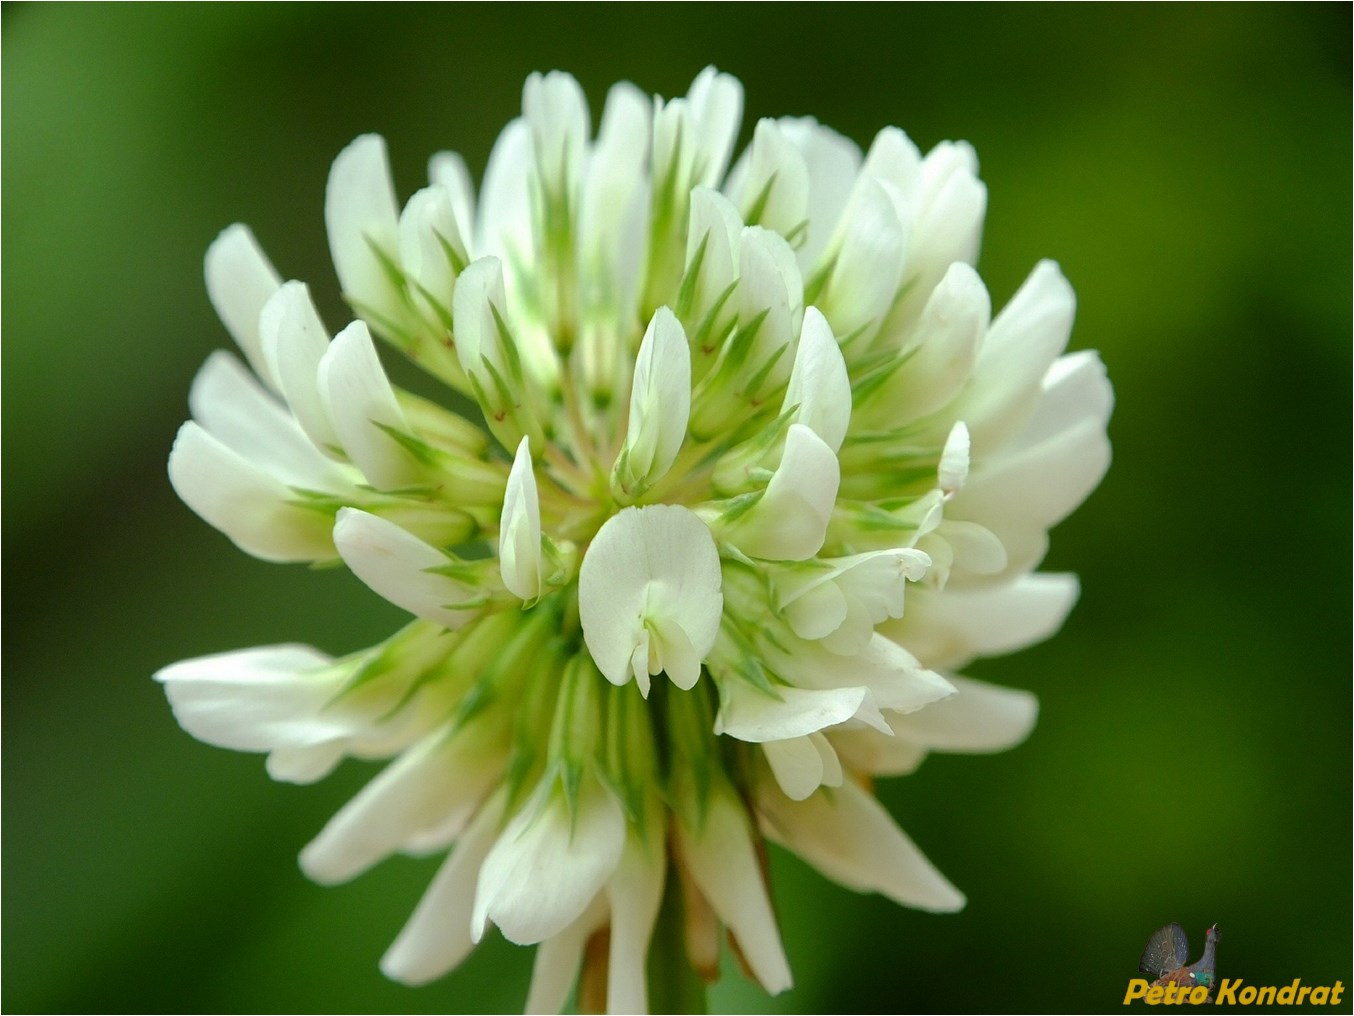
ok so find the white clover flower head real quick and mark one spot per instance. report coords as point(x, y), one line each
point(757, 473)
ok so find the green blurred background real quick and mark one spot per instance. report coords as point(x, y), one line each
point(1188, 166)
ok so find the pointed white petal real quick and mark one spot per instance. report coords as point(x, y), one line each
point(1075, 389)
point(954, 460)
point(437, 784)
point(715, 102)
point(401, 567)
point(427, 230)
point(819, 384)
point(869, 260)
point(437, 936)
point(1021, 345)
point(651, 571)
point(771, 180)
point(503, 229)
point(556, 112)
point(797, 766)
point(832, 163)
point(362, 409)
point(660, 401)
point(294, 342)
point(850, 838)
point(361, 216)
point(252, 508)
point(236, 410)
point(240, 279)
point(548, 865)
point(951, 204)
point(723, 862)
point(479, 291)
point(448, 169)
point(789, 523)
point(519, 539)
point(980, 718)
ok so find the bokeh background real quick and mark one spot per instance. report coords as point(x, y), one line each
point(1188, 166)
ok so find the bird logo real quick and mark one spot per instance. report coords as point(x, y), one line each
point(1166, 956)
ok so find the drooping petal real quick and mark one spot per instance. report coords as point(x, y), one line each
point(519, 539)
point(437, 936)
point(635, 893)
point(723, 862)
point(651, 578)
point(548, 865)
point(240, 280)
point(437, 785)
point(751, 714)
point(803, 764)
point(402, 568)
point(848, 836)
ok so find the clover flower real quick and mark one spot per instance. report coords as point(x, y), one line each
point(755, 472)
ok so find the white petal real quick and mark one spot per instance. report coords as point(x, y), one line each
point(769, 283)
point(555, 967)
point(479, 291)
point(789, 523)
point(869, 260)
point(361, 216)
point(548, 865)
point(951, 204)
point(749, 714)
point(519, 539)
point(651, 571)
point(556, 112)
point(362, 409)
point(436, 785)
point(400, 567)
point(850, 838)
point(723, 863)
point(635, 892)
point(832, 162)
point(240, 279)
point(437, 935)
point(503, 229)
point(819, 384)
point(252, 508)
point(980, 718)
point(803, 764)
point(294, 342)
point(660, 401)
point(952, 470)
point(774, 176)
point(427, 228)
point(448, 169)
point(947, 629)
point(1021, 345)
point(270, 698)
point(236, 410)
point(1075, 390)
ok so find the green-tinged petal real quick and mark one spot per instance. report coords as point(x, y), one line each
point(402, 568)
point(361, 215)
point(257, 511)
point(790, 521)
point(519, 539)
point(363, 410)
point(979, 718)
point(660, 403)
